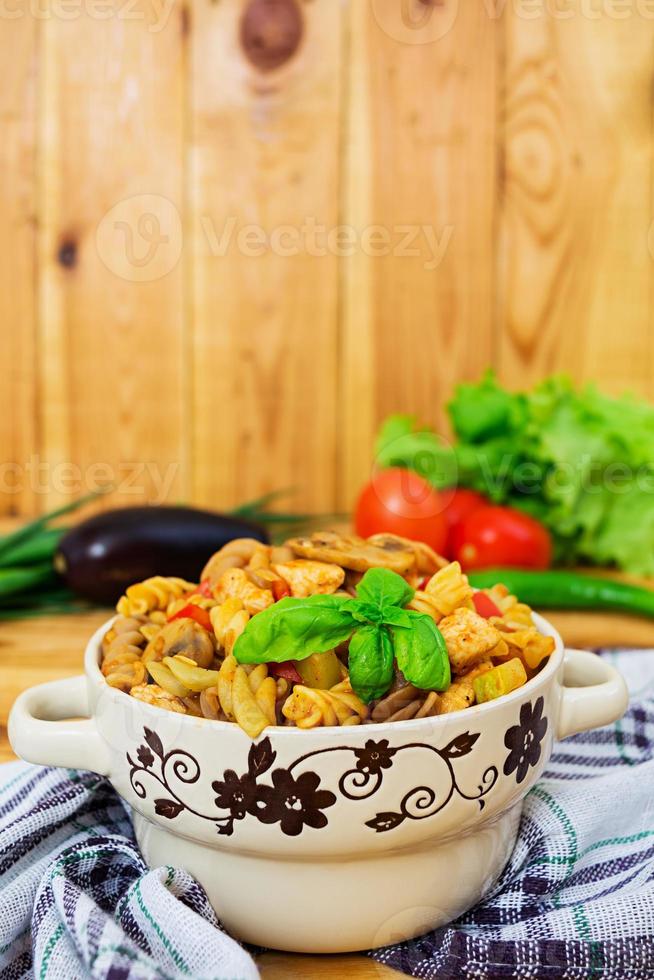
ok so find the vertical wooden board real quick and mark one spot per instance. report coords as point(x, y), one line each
point(17, 244)
point(576, 262)
point(421, 161)
point(111, 250)
point(263, 193)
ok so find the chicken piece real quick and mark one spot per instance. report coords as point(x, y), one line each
point(306, 578)
point(352, 552)
point(469, 638)
point(235, 584)
point(155, 695)
point(458, 696)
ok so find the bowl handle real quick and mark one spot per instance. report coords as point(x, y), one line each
point(40, 732)
point(594, 693)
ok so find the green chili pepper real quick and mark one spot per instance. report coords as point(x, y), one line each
point(568, 590)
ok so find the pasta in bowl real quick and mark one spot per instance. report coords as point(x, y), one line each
point(212, 649)
point(320, 721)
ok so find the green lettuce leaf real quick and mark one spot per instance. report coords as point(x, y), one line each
point(580, 461)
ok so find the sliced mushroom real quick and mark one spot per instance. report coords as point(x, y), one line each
point(352, 552)
point(183, 636)
point(394, 702)
point(410, 711)
point(429, 706)
point(427, 561)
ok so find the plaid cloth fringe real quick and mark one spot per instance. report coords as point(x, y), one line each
point(576, 899)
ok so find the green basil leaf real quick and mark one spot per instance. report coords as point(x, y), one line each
point(384, 589)
point(371, 662)
point(394, 616)
point(421, 653)
point(366, 612)
point(293, 629)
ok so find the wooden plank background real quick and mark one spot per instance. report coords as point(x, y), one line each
point(236, 234)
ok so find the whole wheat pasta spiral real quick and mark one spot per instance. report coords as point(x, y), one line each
point(122, 649)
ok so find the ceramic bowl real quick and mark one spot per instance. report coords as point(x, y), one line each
point(333, 839)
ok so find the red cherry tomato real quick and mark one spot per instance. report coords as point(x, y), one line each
point(492, 537)
point(401, 502)
point(460, 503)
point(485, 606)
point(192, 611)
point(287, 670)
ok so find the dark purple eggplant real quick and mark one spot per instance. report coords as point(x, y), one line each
point(100, 557)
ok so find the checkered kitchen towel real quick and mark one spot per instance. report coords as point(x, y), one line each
point(576, 900)
point(577, 897)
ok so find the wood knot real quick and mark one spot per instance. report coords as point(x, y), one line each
point(67, 253)
point(271, 31)
point(185, 20)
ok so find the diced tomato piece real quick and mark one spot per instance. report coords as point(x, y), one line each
point(280, 590)
point(191, 611)
point(287, 670)
point(423, 583)
point(485, 605)
point(203, 589)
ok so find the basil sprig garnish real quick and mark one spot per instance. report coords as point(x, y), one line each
point(379, 628)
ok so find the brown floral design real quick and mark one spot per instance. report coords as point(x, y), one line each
point(295, 800)
point(374, 756)
point(524, 740)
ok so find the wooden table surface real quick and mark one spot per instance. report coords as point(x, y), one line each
point(51, 647)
